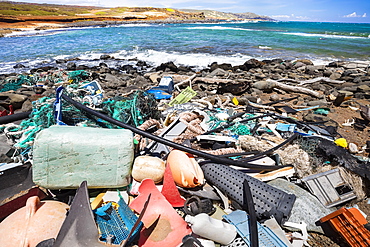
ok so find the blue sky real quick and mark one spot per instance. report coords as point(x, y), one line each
point(287, 10)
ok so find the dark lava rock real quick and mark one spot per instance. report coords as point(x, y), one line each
point(105, 57)
point(42, 69)
point(233, 88)
point(252, 63)
point(141, 64)
point(277, 61)
point(103, 65)
point(305, 61)
point(19, 66)
point(298, 65)
point(169, 66)
point(185, 68)
point(128, 68)
point(71, 66)
point(224, 66)
point(59, 61)
point(82, 67)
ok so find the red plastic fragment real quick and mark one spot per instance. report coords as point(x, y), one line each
point(162, 225)
point(170, 191)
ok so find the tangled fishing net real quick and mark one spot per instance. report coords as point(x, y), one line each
point(134, 109)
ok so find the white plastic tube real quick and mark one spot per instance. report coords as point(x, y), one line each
point(213, 229)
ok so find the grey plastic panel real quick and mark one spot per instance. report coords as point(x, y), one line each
point(267, 199)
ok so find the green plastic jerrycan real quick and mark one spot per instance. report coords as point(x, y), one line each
point(64, 156)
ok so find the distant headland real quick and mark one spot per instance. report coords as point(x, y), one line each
point(20, 15)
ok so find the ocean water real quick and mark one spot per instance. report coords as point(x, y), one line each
point(197, 44)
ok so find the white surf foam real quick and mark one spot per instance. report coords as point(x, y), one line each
point(198, 60)
point(222, 28)
point(135, 25)
point(330, 36)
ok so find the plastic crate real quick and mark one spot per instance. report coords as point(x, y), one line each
point(349, 223)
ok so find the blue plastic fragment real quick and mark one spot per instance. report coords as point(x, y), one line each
point(159, 94)
point(116, 222)
point(102, 211)
point(285, 127)
point(266, 237)
point(58, 106)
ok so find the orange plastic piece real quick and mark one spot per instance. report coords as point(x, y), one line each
point(185, 169)
point(349, 223)
point(29, 225)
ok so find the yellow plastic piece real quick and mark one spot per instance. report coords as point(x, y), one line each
point(235, 101)
point(183, 97)
point(97, 202)
point(341, 142)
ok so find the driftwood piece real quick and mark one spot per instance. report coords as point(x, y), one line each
point(180, 78)
point(265, 107)
point(272, 84)
point(212, 80)
point(318, 79)
point(187, 80)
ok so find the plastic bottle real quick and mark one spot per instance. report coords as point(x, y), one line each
point(213, 229)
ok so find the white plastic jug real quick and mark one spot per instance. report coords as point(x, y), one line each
point(213, 229)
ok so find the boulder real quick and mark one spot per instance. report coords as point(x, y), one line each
point(253, 63)
point(82, 67)
point(217, 72)
point(105, 57)
point(16, 100)
point(365, 88)
point(224, 66)
point(298, 65)
point(264, 85)
point(141, 82)
point(103, 65)
point(335, 76)
point(169, 66)
point(19, 66)
point(305, 61)
point(237, 88)
point(112, 81)
point(141, 64)
point(71, 66)
point(42, 69)
point(59, 61)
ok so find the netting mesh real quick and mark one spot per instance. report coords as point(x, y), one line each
point(134, 109)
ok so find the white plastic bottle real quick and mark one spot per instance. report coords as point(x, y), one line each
point(213, 229)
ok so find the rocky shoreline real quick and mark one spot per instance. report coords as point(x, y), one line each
point(250, 81)
point(295, 89)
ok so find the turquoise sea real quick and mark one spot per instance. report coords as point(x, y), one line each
point(196, 44)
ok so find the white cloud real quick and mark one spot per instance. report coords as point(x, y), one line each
point(354, 14)
point(280, 16)
point(290, 17)
point(364, 15)
point(302, 17)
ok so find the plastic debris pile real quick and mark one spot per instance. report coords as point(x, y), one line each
point(170, 164)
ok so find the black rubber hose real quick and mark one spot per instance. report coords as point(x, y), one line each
point(159, 139)
point(248, 206)
point(14, 117)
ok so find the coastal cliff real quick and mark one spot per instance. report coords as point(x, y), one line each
point(17, 15)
